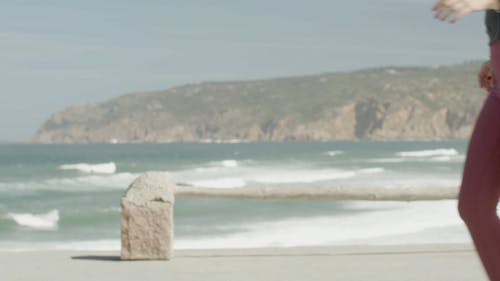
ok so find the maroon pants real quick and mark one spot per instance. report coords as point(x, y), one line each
point(480, 187)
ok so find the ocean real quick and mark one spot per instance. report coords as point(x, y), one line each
point(67, 197)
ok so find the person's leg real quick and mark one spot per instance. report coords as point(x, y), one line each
point(480, 187)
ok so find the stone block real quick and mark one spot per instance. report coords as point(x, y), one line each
point(147, 218)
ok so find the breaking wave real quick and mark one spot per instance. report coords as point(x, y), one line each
point(241, 176)
point(47, 221)
point(228, 163)
point(103, 168)
point(391, 217)
point(433, 155)
point(429, 153)
point(334, 152)
point(220, 182)
point(86, 183)
point(303, 176)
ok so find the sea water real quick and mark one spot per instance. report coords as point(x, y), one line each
point(68, 196)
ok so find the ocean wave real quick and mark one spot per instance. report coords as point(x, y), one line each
point(341, 230)
point(385, 160)
point(443, 158)
point(47, 221)
point(243, 176)
point(432, 219)
point(218, 167)
point(262, 174)
point(68, 184)
point(408, 180)
point(103, 168)
point(220, 182)
point(334, 152)
point(120, 180)
point(455, 158)
point(429, 153)
point(228, 163)
point(302, 176)
point(111, 210)
point(374, 170)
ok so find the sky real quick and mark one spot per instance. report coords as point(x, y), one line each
point(56, 53)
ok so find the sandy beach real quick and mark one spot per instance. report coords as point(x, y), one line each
point(453, 262)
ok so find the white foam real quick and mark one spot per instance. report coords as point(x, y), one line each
point(85, 183)
point(46, 221)
point(103, 168)
point(334, 152)
point(217, 165)
point(265, 174)
point(385, 160)
point(220, 183)
point(302, 176)
point(428, 153)
point(402, 178)
point(378, 223)
point(442, 158)
point(229, 163)
point(384, 220)
point(120, 181)
point(229, 173)
point(203, 170)
point(375, 170)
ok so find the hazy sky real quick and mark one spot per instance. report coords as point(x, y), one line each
point(57, 53)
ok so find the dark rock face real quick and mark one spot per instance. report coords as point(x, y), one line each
point(369, 117)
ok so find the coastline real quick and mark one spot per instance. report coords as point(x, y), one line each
point(356, 262)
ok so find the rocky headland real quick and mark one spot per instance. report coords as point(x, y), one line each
point(387, 103)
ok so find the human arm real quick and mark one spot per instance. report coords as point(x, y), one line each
point(454, 10)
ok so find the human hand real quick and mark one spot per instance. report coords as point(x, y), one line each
point(453, 10)
point(486, 77)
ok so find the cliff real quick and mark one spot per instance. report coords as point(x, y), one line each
point(390, 103)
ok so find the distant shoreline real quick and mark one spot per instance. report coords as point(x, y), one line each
point(223, 142)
